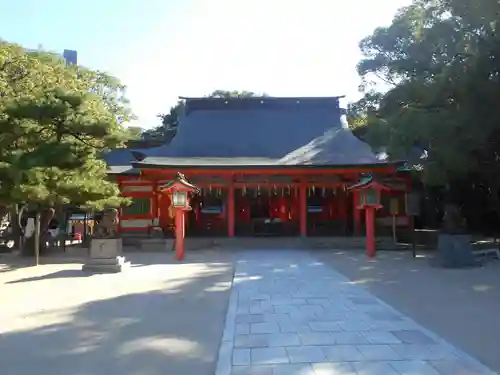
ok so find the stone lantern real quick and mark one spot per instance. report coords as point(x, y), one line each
point(179, 191)
point(369, 191)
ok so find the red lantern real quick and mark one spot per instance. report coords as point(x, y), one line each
point(179, 190)
point(369, 191)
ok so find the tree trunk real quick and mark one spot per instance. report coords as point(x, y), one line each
point(17, 229)
point(84, 235)
point(44, 219)
point(4, 210)
point(64, 228)
point(36, 237)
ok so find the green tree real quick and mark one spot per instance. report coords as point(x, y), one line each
point(134, 132)
point(55, 121)
point(226, 94)
point(440, 59)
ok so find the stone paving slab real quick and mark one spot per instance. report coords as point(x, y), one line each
point(289, 314)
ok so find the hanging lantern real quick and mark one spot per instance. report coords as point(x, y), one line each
point(210, 188)
point(274, 190)
point(244, 191)
point(313, 190)
point(258, 189)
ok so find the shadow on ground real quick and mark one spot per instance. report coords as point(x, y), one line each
point(55, 275)
point(173, 327)
point(461, 305)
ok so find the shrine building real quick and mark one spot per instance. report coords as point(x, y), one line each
point(265, 166)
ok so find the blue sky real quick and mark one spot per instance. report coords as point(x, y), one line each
point(162, 49)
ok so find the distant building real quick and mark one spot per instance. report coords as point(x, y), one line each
point(71, 56)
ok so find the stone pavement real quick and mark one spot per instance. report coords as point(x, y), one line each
point(459, 305)
point(289, 315)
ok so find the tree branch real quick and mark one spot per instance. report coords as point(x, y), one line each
point(78, 137)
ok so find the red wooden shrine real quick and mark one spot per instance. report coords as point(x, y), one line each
point(263, 166)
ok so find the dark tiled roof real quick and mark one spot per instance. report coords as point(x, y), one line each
point(118, 156)
point(336, 146)
point(123, 169)
point(261, 131)
point(208, 161)
point(119, 161)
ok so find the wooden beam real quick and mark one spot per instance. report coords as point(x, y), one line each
point(267, 171)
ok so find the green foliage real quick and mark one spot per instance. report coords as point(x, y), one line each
point(233, 94)
point(441, 59)
point(55, 121)
point(134, 132)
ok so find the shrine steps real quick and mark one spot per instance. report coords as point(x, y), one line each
point(240, 243)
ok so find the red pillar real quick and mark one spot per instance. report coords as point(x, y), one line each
point(179, 234)
point(303, 209)
point(157, 200)
point(370, 231)
point(357, 214)
point(230, 210)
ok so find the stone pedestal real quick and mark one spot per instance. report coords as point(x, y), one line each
point(106, 256)
point(454, 251)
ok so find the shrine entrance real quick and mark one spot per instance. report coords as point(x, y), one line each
point(266, 212)
point(258, 205)
point(208, 217)
point(330, 211)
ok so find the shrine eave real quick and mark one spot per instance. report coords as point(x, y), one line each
point(263, 166)
point(261, 98)
point(123, 170)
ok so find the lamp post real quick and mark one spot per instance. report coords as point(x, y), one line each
point(369, 191)
point(178, 191)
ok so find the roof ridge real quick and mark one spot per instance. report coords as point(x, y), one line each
point(262, 97)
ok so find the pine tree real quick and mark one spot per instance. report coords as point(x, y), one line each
point(55, 121)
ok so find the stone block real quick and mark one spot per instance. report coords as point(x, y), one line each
point(413, 337)
point(105, 247)
point(343, 353)
point(105, 256)
point(306, 354)
point(241, 357)
point(104, 268)
point(454, 251)
point(269, 356)
point(378, 353)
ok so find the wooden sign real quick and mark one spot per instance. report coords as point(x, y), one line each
point(394, 206)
